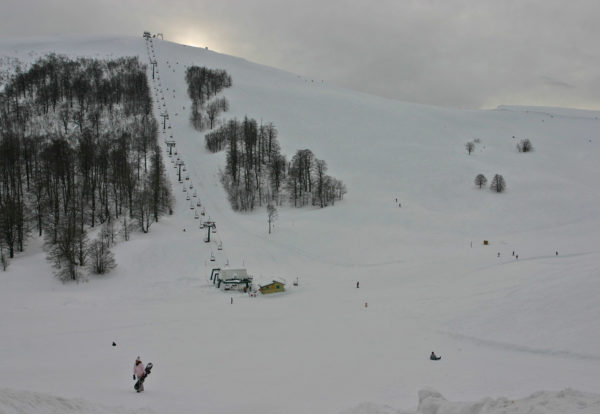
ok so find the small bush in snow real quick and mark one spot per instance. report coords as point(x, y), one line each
point(101, 259)
point(470, 146)
point(525, 146)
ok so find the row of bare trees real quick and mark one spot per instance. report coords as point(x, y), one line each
point(78, 149)
point(257, 173)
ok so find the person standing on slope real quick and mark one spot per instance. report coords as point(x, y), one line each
point(139, 372)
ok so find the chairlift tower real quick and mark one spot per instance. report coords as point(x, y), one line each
point(170, 144)
point(165, 116)
point(180, 164)
point(209, 225)
point(153, 63)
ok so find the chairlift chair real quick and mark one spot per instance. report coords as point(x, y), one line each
point(196, 215)
point(187, 177)
point(220, 247)
point(195, 193)
point(198, 204)
point(187, 197)
point(212, 257)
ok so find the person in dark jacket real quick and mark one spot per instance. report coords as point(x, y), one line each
point(434, 357)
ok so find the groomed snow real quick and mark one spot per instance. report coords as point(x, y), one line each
point(506, 328)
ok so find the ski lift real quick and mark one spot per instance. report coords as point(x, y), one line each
point(196, 215)
point(198, 204)
point(187, 197)
point(191, 185)
point(201, 225)
point(184, 169)
point(212, 257)
point(195, 193)
point(214, 229)
point(187, 177)
point(184, 189)
point(203, 211)
point(220, 247)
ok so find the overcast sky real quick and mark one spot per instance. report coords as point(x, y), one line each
point(458, 53)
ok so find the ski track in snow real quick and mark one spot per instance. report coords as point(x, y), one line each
point(522, 348)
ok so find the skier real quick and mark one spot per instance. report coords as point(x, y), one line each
point(357, 284)
point(434, 357)
point(139, 372)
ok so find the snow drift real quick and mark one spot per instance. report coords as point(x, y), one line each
point(27, 402)
point(543, 402)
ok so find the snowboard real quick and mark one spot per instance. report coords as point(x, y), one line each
point(436, 359)
point(141, 380)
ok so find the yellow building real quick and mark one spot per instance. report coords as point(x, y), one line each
point(273, 287)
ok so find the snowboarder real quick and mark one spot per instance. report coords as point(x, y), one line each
point(357, 284)
point(139, 372)
point(434, 357)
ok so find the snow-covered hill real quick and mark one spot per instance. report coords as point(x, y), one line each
point(505, 327)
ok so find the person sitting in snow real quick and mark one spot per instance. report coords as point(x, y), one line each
point(434, 357)
point(139, 372)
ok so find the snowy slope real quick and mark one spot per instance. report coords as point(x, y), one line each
point(505, 327)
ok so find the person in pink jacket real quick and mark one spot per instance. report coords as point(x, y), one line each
point(139, 372)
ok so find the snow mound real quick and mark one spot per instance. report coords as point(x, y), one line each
point(19, 402)
point(543, 402)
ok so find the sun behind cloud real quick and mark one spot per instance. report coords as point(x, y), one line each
point(192, 37)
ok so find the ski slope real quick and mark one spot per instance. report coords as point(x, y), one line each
point(506, 328)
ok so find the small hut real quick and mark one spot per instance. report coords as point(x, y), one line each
point(272, 287)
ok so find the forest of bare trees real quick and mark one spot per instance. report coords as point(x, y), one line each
point(203, 86)
point(78, 149)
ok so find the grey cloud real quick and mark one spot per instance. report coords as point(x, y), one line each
point(461, 53)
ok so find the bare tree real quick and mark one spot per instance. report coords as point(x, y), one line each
point(498, 184)
point(470, 146)
point(480, 180)
point(102, 259)
point(271, 215)
point(4, 261)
